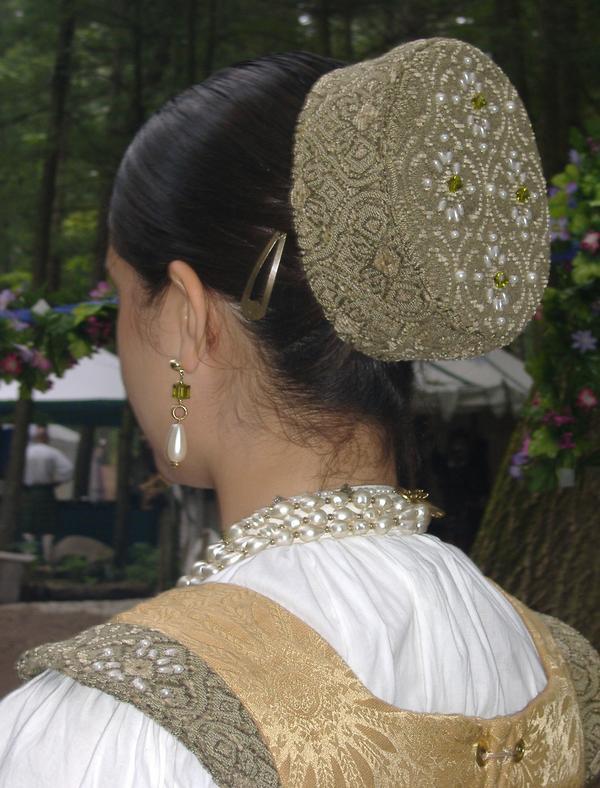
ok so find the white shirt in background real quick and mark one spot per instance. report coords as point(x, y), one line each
point(46, 465)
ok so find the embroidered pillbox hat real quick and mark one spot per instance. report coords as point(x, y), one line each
point(419, 203)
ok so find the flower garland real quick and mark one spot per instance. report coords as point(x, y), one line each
point(38, 340)
point(565, 365)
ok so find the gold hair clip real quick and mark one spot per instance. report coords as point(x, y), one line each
point(254, 309)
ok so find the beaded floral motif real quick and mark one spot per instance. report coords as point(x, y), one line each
point(171, 685)
point(449, 184)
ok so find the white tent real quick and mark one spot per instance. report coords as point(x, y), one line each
point(90, 392)
point(497, 381)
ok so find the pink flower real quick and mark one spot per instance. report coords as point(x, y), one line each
point(40, 362)
point(26, 353)
point(561, 420)
point(11, 364)
point(586, 398)
point(558, 419)
point(539, 313)
point(566, 441)
point(101, 290)
point(591, 242)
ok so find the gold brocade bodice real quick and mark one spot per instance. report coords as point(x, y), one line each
point(324, 729)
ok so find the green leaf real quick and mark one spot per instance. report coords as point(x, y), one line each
point(585, 271)
point(543, 443)
point(79, 347)
point(541, 477)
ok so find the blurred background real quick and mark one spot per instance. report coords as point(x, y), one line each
point(509, 442)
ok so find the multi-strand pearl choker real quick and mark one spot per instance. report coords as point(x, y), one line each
point(348, 511)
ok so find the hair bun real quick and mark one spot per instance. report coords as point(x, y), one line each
point(419, 203)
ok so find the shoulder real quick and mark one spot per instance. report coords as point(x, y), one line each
point(151, 689)
point(55, 731)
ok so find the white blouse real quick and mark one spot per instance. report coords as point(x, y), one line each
point(412, 616)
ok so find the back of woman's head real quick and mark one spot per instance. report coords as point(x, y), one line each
point(207, 180)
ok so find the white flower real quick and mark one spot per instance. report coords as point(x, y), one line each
point(494, 257)
point(521, 215)
point(40, 307)
point(469, 81)
point(479, 125)
point(516, 174)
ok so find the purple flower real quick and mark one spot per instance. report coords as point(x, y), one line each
point(552, 190)
point(516, 471)
point(571, 187)
point(6, 296)
point(575, 157)
point(583, 341)
point(559, 229)
point(519, 458)
point(26, 354)
point(18, 325)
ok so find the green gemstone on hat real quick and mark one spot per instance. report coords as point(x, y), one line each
point(500, 279)
point(181, 390)
point(455, 183)
point(479, 101)
point(522, 194)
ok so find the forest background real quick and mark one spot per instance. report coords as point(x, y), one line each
point(78, 78)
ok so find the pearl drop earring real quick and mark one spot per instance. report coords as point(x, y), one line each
point(176, 439)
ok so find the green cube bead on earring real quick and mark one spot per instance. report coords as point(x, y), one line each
point(181, 390)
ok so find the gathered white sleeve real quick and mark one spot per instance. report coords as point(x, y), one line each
point(56, 733)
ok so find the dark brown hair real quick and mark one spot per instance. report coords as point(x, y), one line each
point(207, 180)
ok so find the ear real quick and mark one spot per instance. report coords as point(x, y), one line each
point(192, 305)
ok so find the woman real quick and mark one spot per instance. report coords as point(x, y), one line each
point(281, 254)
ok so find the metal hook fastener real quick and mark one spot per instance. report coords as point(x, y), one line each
point(252, 308)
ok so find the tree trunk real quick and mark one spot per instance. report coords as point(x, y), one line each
point(559, 84)
point(138, 107)
point(348, 39)
point(192, 59)
point(508, 46)
point(168, 540)
point(11, 497)
point(115, 127)
point(211, 38)
point(81, 475)
point(324, 22)
point(124, 455)
point(43, 272)
point(543, 547)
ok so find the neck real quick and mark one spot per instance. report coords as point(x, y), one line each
point(255, 472)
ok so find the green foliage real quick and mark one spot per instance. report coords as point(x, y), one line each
point(49, 341)
point(78, 569)
point(142, 566)
point(566, 364)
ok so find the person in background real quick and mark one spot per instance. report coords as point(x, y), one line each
point(45, 468)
